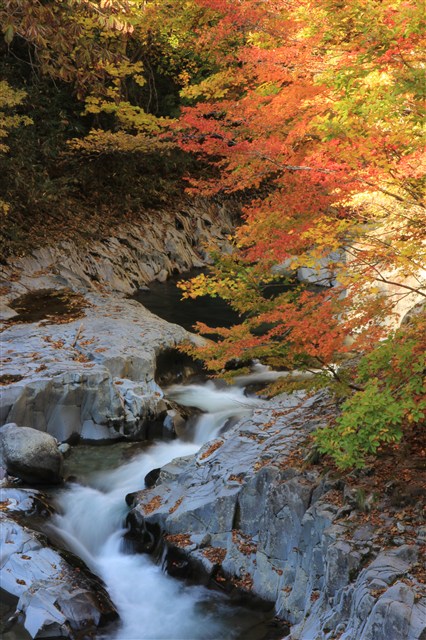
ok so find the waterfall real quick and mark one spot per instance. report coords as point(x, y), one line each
point(218, 405)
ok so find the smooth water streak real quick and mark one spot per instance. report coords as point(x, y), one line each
point(151, 605)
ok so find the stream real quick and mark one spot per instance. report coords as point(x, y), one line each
point(91, 508)
point(151, 604)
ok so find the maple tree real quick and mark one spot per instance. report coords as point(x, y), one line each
point(318, 111)
point(309, 112)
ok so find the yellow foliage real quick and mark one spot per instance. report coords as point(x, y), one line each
point(10, 98)
point(215, 87)
point(98, 142)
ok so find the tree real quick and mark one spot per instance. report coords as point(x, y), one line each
point(317, 111)
point(10, 99)
point(102, 79)
point(113, 54)
point(310, 111)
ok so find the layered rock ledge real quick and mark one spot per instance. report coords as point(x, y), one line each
point(54, 596)
point(95, 375)
point(244, 512)
point(162, 243)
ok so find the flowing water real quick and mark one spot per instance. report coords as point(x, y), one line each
point(152, 605)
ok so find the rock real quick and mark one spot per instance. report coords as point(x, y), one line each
point(151, 478)
point(162, 243)
point(93, 377)
point(30, 455)
point(65, 449)
point(273, 530)
point(162, 275)
point(65, 378)
point(26, 501)
point(54, 597)
point(175, 423)
point(6, 312)
point(413, 313)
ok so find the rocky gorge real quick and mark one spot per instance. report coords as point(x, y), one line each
point(238, 509)
point(92, 372)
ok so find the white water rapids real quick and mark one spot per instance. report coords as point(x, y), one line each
point(151, 605)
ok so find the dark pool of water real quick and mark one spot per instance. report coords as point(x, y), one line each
point(165, 300)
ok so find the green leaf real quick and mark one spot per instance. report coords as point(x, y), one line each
point(8, 34)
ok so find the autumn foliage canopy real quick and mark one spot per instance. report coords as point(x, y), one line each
point(310, 114)
point(315, 115)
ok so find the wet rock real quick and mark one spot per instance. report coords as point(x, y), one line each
point(152, 477)
point(92, 378)
point(30, 455)
point(177, 564)
point(95, 376)
point(142, 536)
point(54, 598)
point(175, 423)
point(65, 449)
point(175, 367)
point(273, 530)
point(25, 501)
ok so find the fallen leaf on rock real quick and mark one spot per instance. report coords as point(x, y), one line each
point(152, 505)
point(211, 449)
point(85, 343)
point(176, 505)
point(179, 540)
point(215, 554)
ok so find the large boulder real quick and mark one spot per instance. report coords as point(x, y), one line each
point(93, 378)
point(30, 455)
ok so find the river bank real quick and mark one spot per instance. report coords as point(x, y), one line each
point(241, 510)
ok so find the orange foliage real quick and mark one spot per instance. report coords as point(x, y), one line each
point(316, 108)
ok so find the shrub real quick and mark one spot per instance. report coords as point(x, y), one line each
point(393, 397)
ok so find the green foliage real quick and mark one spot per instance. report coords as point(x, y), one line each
point(393, 397)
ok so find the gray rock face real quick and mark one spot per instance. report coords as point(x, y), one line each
point(30, 455)
point(95, 377)
point(276, 530)
point(54, 597)
point(164, 242)
point(100, 385)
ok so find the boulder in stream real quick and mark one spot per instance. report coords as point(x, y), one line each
point(30, 455)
